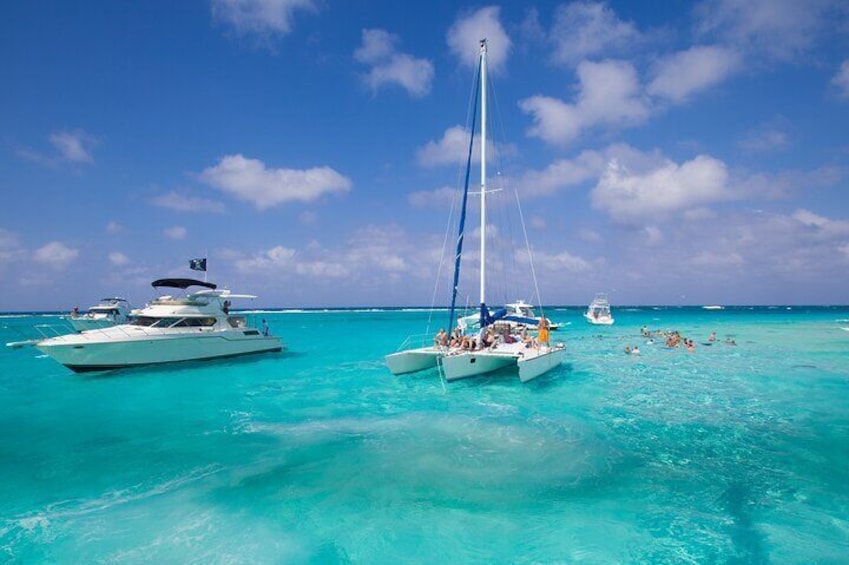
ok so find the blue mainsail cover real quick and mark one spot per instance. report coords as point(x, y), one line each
point(488, 319)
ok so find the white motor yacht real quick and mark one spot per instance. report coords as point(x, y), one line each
point(195, 326)
point(108, 312)
point(517, 316)
point(521, 313)
point(598, 312)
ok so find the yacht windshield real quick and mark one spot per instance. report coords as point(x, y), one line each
point(193, 322)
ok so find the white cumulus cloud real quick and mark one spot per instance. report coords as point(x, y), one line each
point(176, 232)
point(768, 137)
point(682, 74)
point(452, 148)
point(70, 147)
point(250, 180)
point(118, 258)
point(389, 66)
point(176, 201)
point(274, 258)
point(587, 29)
point(609, 93)
point(370, 254)
point(561, 174)
point(73, 146)
point(562, 262)
point(777, 29)
point(660, 191)
point(259, 17)
point(841, 79)
point(824, 226)
point(439, 198)
point(10, 248)
point(466, 32)
point(55, 255)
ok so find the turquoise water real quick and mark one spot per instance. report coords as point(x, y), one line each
point(730, 454)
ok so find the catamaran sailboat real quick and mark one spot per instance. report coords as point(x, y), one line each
point(496, 343)
point(196, 326)
point(598, 312)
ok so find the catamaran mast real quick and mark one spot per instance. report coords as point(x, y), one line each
point(483, 171)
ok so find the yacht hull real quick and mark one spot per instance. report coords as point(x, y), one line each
point(84, 352)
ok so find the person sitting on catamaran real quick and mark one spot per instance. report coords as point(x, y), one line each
point(485, 338)
point(441, 338)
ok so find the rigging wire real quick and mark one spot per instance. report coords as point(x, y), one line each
point(451, 226)
point(530, 256)
point(509, 253)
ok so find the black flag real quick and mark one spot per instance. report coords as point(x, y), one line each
point(198, 264)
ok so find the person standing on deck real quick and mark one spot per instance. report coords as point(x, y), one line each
point(543, 336)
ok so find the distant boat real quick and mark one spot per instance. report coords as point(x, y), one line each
point(106, 313)
point(713, 307)
point(508, 348)
point(598, 312)
point(522, 313)
point(193, 327)
point(518, 315)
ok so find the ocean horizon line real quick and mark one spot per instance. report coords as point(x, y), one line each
point(373, 308)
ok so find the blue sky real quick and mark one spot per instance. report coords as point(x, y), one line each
point(665, 153)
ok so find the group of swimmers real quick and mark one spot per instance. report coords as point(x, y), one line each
point(673, 339)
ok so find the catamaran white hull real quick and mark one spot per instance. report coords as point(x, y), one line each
point(530, 361)
point(413, 360)
point(85, 352)
point(534, 366)
point(472, 363)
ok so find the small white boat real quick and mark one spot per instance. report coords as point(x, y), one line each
point(598, 312)
point(195, 326)
point(489, 343)
point(108, 312)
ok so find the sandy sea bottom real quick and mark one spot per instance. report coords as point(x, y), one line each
point(729, 454)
